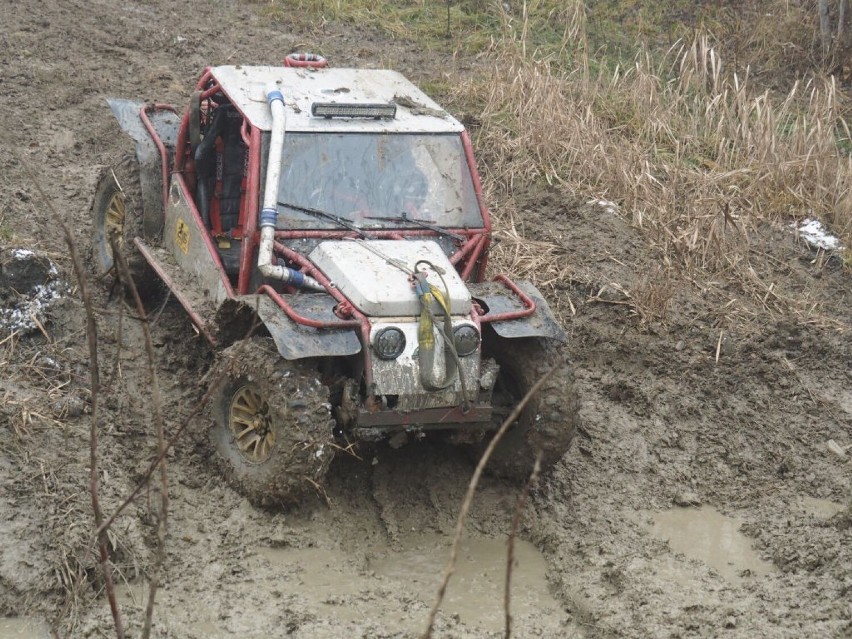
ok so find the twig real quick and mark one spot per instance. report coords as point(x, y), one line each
point(127, 279)
point(471, 489)
point(172, 440)
point(94, 375)
point(510, 558)
point(119, 338)
point(160, 456)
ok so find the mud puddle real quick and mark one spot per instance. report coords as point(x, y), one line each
point(23, 628)
point(709, 536)
point(413, 573)
point(821, 508)
point(206, 621)
point(475, 593)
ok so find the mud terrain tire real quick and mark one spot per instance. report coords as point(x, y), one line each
point(117, 204)
point(272, 425)
point(547, 423)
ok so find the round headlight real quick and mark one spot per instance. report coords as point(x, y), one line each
point(389, 342)
point(467, 339)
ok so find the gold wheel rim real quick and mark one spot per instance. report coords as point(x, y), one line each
point(114, 221)
point(251, 424)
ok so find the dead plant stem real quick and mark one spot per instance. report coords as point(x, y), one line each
point(95, 381)
point(510, 553)
point(471, 490)
point(162, 525)
point(161, 455)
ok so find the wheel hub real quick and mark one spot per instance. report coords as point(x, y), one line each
point(114, 221)
point(251, 424)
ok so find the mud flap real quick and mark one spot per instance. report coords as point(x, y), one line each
point(166, 125)
point(499, 299)
point(293, 340)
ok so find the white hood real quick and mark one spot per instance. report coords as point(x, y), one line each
point(365, 272)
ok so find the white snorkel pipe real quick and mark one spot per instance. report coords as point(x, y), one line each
point(269, 212)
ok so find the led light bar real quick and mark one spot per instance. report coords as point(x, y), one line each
point(340, 110)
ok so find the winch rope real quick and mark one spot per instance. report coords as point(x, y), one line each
point(426, 328)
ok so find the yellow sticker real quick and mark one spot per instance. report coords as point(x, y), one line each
point(182, 236)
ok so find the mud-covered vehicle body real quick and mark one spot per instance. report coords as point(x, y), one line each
point(341, 211)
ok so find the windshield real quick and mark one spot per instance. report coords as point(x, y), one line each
point(366, 177)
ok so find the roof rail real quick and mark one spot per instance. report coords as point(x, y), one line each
point(309, 60)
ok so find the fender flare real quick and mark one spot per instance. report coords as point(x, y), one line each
point(293, 340)
point(166, 124)
point(499, 299)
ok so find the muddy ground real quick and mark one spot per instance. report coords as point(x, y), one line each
point(672, 415)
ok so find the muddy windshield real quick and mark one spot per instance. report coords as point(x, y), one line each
point(373, 179)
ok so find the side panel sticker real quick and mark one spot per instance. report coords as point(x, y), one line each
point(182, 235)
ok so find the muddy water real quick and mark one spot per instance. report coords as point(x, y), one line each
point(23, 628)
point(475, 594)
point(707, 535)
point(821, 508)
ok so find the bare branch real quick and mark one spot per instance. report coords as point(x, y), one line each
point(471, 490)
point(127, 279)
point(510, 555)
point(95, 381)
point(824, 27)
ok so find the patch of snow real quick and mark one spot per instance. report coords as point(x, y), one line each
point(815, 234)
point(23, 316)
point(25, 312)
point(609, 207)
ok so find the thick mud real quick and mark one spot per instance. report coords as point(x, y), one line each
point(722, 402)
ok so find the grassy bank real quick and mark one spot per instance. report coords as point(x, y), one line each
point(637, 104)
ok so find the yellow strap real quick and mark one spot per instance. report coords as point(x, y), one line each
point(425, 334)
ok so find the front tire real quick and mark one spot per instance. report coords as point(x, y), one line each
point(272, 425)
point(548, 422)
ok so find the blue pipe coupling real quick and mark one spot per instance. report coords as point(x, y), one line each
point(273, 95)
point(295, 278)
point(268, 217)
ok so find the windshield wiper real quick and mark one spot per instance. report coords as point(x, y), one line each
point(403, 217)
point(330, 217)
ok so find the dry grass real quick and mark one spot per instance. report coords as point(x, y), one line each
point(695, 158)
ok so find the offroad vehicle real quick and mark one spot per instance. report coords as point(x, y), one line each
point(341, 212)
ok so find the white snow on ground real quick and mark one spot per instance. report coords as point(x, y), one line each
point(22, 316)
point(814, 233)
point(610, 207)
point(29, 308)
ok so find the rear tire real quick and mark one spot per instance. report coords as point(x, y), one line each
point(548, 422)
point(272, 425)
point(117, 207)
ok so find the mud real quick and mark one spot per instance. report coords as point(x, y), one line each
point(662, 416)
point(706, 535)
point(23, 628)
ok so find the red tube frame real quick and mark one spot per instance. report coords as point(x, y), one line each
point(164, 161)
point(250, 235)
point(529, 304)
point(471, 253)
point(363, 321)
point(481, 252)
point(164, 158)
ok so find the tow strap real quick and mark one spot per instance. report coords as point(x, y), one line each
point(427, 327)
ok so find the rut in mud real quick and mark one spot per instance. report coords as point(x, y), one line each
point(672, 415)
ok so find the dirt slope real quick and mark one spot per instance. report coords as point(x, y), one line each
point(665, 420)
